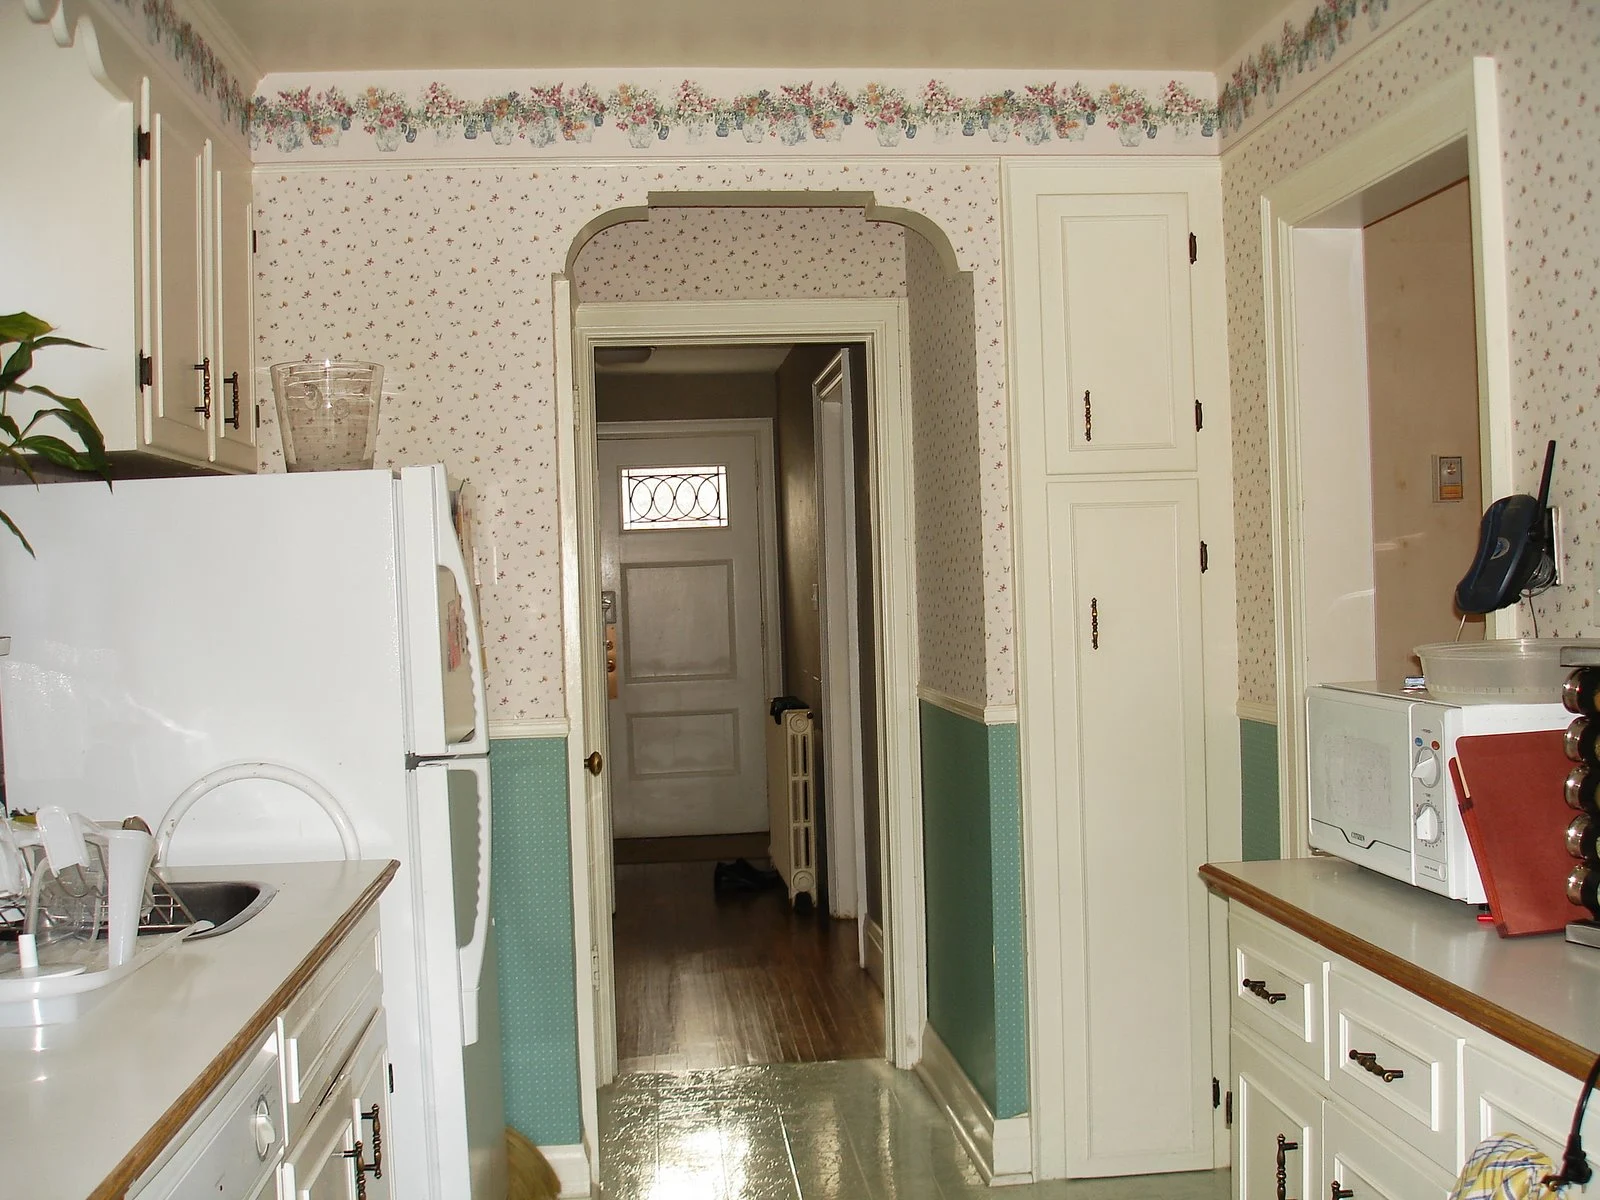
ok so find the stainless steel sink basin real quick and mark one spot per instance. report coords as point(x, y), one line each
point(226, 903)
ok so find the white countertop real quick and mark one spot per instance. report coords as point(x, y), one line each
point(1540, 992)
point(76, 1098)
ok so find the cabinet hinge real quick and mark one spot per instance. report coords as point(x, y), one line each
point(252, 241)
point(147, 371)
point(1205, 558)
point(141, 145)
point(1194, 249)
point(1227, 1111)
point(1199, 416)
point(1216, 1092)
point(594, 964)
point(391, 1079)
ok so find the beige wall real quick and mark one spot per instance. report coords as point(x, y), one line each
point(683, 397)
point(1422, 375)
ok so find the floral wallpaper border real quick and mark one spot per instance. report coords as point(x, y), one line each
point(199, 64)
point(790, 114)
point(1331, 29)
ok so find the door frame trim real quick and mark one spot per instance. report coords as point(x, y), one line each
point(883, 326)
point(763, 430)
point(838, 602)
point(1352, 185)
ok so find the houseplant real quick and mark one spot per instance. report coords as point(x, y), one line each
point(19, 444)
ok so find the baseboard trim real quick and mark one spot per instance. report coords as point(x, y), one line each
point(544, 727)
point(875, 953)
point(970, 1118)
point(991, 714)
point(571, 1165)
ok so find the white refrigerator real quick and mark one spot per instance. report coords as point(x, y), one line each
point(308, 646)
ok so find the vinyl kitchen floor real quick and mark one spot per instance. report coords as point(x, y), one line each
point(857, 1130)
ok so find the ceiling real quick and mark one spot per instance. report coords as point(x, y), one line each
point(373, 35)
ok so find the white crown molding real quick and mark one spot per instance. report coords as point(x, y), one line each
point(1262, 714)
point(543, 727)
point(991, 714)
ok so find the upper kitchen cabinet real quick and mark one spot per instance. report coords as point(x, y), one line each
point(125, 222)
point(1103, 334)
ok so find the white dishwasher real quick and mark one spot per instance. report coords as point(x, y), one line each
point(233, 1153)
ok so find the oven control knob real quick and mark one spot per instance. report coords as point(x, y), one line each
point(1426, 769)
point(1427, 825)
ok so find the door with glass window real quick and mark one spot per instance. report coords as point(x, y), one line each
point(686, 576)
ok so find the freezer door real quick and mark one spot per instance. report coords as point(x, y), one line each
point(444, 652)
point(451, 903)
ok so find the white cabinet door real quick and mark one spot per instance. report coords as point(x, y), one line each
point(322, 1164)
point(1277, 1128)
point(1361, 1164)
point(369, 1107)
point(176, 178)
point(1103, 339)
point(1129, 764)
point(233, 409)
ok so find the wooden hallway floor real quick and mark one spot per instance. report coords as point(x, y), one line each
point(707, 980)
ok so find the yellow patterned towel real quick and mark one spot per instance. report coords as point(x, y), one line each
point(1505, 1167)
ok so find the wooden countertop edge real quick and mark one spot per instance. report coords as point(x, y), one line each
point(1504, 1024)
point(148, 1148)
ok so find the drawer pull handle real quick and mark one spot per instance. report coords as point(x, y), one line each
point(1284, 1146)
point(1370, 1064)
point(361, 1170)
point(1259, 987)
point(1088, 417)
point(1335, 1192)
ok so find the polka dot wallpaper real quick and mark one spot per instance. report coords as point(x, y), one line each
point(1547, 54)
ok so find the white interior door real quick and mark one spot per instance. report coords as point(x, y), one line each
point(841, 646)
point(684, 571)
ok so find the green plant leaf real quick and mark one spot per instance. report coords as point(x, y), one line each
point(12, 525)
point(40, 343)
point(8, 425)
point(17, 459)
point(53, 449)
point(22, 327)
point(16, 365)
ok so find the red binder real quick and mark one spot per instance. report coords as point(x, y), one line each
point(1510, 790)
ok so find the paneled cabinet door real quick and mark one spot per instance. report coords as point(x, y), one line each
point(1126, 700)
point(1361, 1164)
point(174, 236)
point(233, 410)
point(369, 1101)
point(1277, 1128)
point(321, 1166)
point(1115, 344)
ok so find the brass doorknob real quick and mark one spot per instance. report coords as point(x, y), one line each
point(594, 763)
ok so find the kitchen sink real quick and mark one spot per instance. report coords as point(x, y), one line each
point(226, 903)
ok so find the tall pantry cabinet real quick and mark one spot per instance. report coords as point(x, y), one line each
point(1127, 671)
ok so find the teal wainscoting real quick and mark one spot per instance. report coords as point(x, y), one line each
point(533, 924)
point(1258, 769)
point(972, 852)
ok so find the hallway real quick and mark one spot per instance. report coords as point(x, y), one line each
point(732, 980)
point(856, 1130)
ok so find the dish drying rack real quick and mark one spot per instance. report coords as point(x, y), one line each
point(163, 912)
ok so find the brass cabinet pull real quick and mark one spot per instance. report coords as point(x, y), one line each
point(1370, 1064)
point(1094, 623)
point(1284, 1146)
point(594, 763)
point(360, 1169)
point(377, 1142)
point(233, 382)
point(1088, 417)
point(1335, 1192)
point(204, 367)
point(1259, 988)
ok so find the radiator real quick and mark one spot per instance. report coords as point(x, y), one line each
point(791, 802)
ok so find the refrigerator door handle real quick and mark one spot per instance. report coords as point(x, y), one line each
point(472, 953)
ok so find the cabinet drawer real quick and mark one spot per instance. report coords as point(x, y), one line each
point(1278, 992)
point(322, 1164)
point(323, 1022)
point(1358, 1159)
point(1389, 1061)
point(1277, 1123)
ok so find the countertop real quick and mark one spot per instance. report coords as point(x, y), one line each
point(1540, 993)
point(88, 1105)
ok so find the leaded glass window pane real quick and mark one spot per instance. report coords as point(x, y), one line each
point(674, 497)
